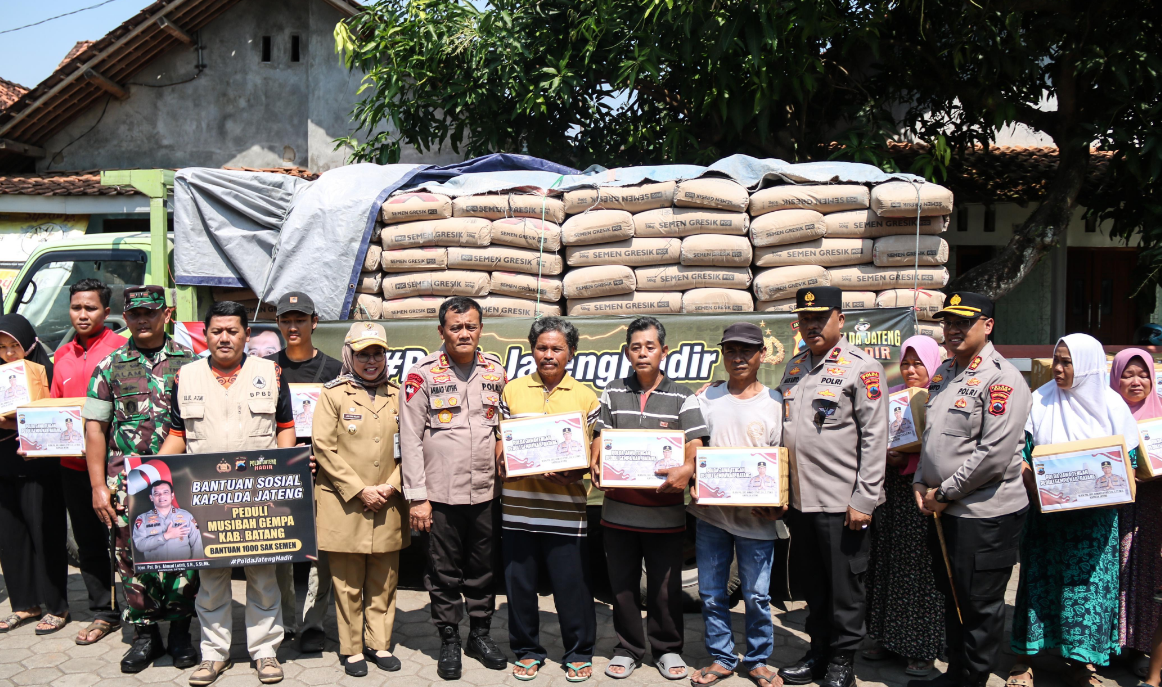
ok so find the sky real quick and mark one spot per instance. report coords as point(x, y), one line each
point(28, 56)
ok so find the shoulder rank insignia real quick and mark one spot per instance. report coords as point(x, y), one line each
point(444, 360)
point(975, 363)
point(871, 383)
point(481, 359)
point(833, 356)
point(999, 398)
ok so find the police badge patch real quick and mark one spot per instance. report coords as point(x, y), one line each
point(999, 398)
point(412, 386)
point(871, 382)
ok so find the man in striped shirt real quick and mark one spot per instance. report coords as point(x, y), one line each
point(543, 518)
point(643, 524)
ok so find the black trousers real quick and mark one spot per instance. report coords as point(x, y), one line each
point(92, 539)
point(662, 553)
point(565, 561)
point(982, 553)
point(461, 558)
point(32, 543)
point(831, 560)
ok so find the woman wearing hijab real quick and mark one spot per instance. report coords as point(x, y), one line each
point(905, 612)
point(32, 516)
point(358, 495)
point(1068, 594)
point(1140, 523)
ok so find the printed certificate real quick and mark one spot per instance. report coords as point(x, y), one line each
point(1150, 448)
point(906, 419)
point(545, 443)
point(744, 476)
point(51, 427)
point(304, 400)
point(1083, 474)
point(631, 458)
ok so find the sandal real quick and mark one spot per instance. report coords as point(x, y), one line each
point(1081, 675)
point(918, 667)
point(771, 677)
point(527, 664)
point(625, 662)
point(54, 623)
point(710, 671)
point(877, 653)
point(102, 626)
point(15, 620)
point(670, 661)
point(1017, 676)
point(575, 669)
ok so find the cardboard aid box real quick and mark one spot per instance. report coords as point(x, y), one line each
point(906, 419)
point(545, 443)
point(1091, 473)
point(630, 458)
point(51, 427)
point(21, 383)
point(742, 476)
point(1150, 448)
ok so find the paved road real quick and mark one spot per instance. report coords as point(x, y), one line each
point(29, 660)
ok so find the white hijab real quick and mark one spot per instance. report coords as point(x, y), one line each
point(1087, 410)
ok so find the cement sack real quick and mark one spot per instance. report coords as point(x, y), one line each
point(682, 277)
point(599, 226)
point(780, 305)
point(870, 277)
point(409, 207)
point(371, 261)
point(927, 303)
point(369, 282)
point(442, 283)
point(713, 194)
point(633, 252)
point(504, 306)
point(527, 286)
point(264, 312)
point(898, 199)
point(684, 222)
point(823, 252)
point(414, 259)
point(525, 232)
point(852, 300)
point(460, 231)
point(507, 259)
point(591, 282)
point(865, 224)
point(367, 306)
point(900, 251)
point(417, 308)
point(636, 303)
point(931, 330)
point(376, 232)
point(823, 198)
point(713, 249)
point(628, 198)
point(510, 205)
point(786, 226)
point(717, 300)
point(783, 282)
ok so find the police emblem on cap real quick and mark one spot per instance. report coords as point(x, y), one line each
point(294, 299)
point(808, 296)
point(955, 300)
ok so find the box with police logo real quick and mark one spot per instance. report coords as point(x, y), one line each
point(544, 443)
point(21, 383)
point(51, 427)
point(221, 510)
point(906, 419)
point(631, 458)
point(1092, 473)
point(304, 400)
point(1150, 448)
point(743, 476)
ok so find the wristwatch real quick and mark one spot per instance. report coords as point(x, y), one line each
point(940, 496)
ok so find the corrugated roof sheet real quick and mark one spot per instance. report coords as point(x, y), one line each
point(88, 182)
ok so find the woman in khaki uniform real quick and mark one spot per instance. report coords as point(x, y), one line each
point(361, 510)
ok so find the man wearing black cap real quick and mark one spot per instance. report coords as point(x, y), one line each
point(302, 363)
point(835, 428)
point(970, 477)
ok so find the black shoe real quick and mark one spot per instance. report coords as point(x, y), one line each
point(388, 663)
point(481, 647)
point(840, 673)
point(311, 640)
point(146, 649)
point(809, 669)
point(448, 667)
point(356, 669)
point(181, 645)
point(942, 680)
point(288, 636)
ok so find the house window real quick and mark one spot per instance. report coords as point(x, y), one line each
point(1091, 224)
point(296, 54)
point(266, 48)
point(990, 218)
point(962, 218)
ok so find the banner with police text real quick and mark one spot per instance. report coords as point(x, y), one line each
point(221, 510)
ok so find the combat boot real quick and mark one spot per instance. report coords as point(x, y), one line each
point(146, 649)
point(448, 667)
point(840, 671)
point(482, 648)
point(181, 645)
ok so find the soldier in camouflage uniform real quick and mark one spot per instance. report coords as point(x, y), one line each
point(127, 413)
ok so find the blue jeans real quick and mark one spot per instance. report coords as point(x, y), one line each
point(716, 548)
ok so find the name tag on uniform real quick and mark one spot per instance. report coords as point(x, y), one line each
point(352, 416)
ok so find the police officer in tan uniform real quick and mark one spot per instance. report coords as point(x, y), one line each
point(835, 428)
point(166, 533)
point(970, 474)
point(448, 421)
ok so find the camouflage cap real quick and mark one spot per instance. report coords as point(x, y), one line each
point(152, 297)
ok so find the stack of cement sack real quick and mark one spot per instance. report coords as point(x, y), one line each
point(658, 248)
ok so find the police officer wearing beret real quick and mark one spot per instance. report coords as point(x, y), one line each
point(970, 477)
point(835, 428)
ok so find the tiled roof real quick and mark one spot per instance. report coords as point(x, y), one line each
point(88, 182)
point(10, 92)
point(77, 49)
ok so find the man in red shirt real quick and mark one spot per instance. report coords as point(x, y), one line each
point(74, 363)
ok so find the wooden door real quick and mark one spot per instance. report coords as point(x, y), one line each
point(1097, 300)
